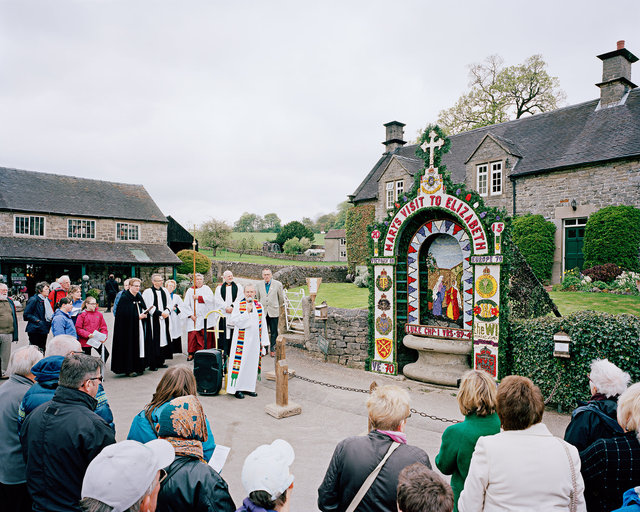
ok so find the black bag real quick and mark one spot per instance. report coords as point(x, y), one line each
point(208, 370)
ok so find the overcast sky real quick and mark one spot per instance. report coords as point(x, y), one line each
point(220, 107)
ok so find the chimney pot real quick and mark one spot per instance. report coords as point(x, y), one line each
point(621, 44)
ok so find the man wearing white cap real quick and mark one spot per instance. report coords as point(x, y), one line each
point(126, 476)
point(266, 478)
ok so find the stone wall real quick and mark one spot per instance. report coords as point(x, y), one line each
point(346, 330)
point(489, 152)
point(290, 276)
point(282, 256)
point(394, 171)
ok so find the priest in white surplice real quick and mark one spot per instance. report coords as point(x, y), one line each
point(249, 339)
point(228, 295)
point(195, 323)
point(158, 301)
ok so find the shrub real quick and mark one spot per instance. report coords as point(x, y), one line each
point(358, 239)
point(203, 263)
point(594, 336)
point(607, 272)
point(305, 244)
point(572, 280)
point(626, 283)
point(292, 246)
point(534, 236)
point(612, 235)
point(293, 228)
point(362, 277)
point(95, 293)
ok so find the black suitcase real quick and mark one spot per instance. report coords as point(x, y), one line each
point(208, 370)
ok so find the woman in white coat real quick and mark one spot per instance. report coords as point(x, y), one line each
point(524, 467)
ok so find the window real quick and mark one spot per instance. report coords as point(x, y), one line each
point(29, 225)
point(343, 253)
point(399, 188)
point(482, 177)
point(343, 242)
point(389, 195)
point(496, 178)
point(77, 228)
point(125, 231)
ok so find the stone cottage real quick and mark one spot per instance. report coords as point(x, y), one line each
point(565, 164)
point(335, 245)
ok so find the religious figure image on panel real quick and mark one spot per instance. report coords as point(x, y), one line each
point(441, 281)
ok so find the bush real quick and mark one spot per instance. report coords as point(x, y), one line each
point(607, 272)
point(362, 277)
point(612, 235)
point(292, 229)
point(358, 239)
point(95, 293)
point(203, 263)
point(534, 236)
point(292, 246)
point(593, 335)
point(572, 280)
point(627, 283)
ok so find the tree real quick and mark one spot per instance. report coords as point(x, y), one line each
point(248, 223)
point(272, 223)
point(341, 217)
point(214, 234)
point(244, 244)
point(308, 223)
point(293, 228)
point(325, 222)
point(498, 94)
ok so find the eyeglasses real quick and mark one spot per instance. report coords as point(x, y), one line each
point(163, 476)
point(101, 378)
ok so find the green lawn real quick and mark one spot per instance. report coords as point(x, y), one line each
point(347, 295)
point(264, 260)
point(568, 302)
point(267, 237)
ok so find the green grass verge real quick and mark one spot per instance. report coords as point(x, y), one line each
point(264, 260)
point(569, 302)
point(341, 295)
point(318, 238)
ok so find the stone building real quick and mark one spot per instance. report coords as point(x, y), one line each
point(335, 245)
point(52, 225)
point(565, 164)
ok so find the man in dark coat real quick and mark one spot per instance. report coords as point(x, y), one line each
point(111, 289)
point(61, 437)
point(131, 333)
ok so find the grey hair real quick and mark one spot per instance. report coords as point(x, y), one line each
point(41, 286)
point(94, 505)
point(23, 359)
point(198, 274)
point(153, 276)
point(77, 368)
point(64, 278)
point(61, 345)
point(608, 378)
point(250, 285)
point(4, 285)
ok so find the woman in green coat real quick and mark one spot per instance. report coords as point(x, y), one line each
point(477, 402)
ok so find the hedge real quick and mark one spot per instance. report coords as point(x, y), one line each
point(529, 352)
point(357, 233)
point(612, 235)
point(534, 236)
point(203, 263)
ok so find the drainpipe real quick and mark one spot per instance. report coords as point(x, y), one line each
point(513, 186)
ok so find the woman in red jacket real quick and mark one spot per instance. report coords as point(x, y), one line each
point(89, 321)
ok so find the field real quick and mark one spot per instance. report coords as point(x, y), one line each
point(267, 237)
point(264, 260)
point(346, 295)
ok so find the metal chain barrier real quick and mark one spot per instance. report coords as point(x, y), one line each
point(366, 391)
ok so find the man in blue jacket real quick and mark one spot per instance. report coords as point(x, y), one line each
point(8, 328)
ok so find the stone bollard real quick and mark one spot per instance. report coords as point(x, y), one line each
point(282, 408)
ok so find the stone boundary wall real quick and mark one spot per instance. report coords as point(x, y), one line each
point(290, 276)
point(346, 330)
point(283, 256)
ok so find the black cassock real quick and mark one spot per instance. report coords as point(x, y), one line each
point(125, 354)
point(158, 354)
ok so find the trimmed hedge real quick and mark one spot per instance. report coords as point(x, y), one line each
point(357, 233)
point(203, 263)
point(529, 352)
point(612, 235)
point(534, 236)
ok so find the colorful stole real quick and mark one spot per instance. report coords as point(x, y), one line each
point(237, 358)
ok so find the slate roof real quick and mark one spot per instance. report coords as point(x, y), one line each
point(67, 195)
point(47, 249)
point(568, 137)
point(336, 233)
point(176, 232)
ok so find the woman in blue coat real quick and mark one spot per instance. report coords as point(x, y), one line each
point(62, 323)
point(38, 315)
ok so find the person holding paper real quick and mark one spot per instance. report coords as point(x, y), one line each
point(75, 294)
point(131, 333)
point(89, 324)
point(202, 296)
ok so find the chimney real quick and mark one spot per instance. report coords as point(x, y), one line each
point(395, 133)
point(616, 76)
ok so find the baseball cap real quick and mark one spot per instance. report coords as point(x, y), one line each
point(267, 468)
point(123, 472)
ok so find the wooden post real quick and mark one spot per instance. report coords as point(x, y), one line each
point(282, 408)
point(281, 343)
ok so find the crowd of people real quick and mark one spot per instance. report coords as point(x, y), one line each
point(59, 450)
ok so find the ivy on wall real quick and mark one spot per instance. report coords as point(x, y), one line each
point(357, 230)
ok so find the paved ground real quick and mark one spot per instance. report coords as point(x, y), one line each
point(328, 415)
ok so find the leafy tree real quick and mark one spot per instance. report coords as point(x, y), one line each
point(248, 223)
point(341, 217)
point(308, 223)
point(325, 222)
point(243, 244)
point(272, 223)
point(498, 94)
point(214, 234)
point(291, 229)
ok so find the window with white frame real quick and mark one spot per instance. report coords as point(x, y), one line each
point(343, 242)
point(79, 228)
point(399, 188)
point(482, 178)
point(389, 195)
point(496, 178)
point(343, 253)
point(126, 231)
point(28, 225)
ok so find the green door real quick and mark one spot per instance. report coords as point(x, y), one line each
point(573, 241)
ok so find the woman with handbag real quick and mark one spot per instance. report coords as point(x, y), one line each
point(524, 467)
point(349, 483)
